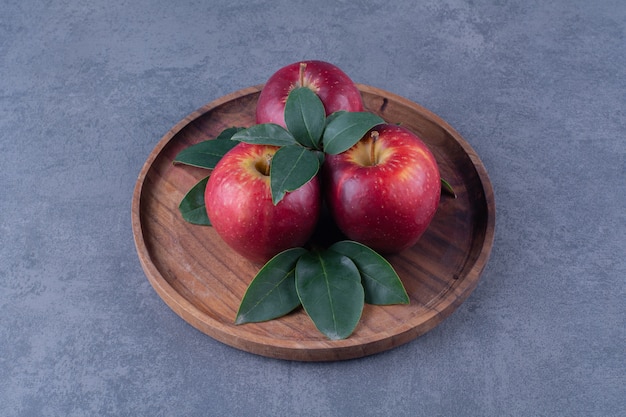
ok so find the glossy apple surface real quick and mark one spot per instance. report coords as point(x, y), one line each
point(239, 204)
point(334, 88)
point(385, 190)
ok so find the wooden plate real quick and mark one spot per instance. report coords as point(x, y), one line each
point(203, 280)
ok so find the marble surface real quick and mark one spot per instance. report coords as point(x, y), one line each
point(87, 89)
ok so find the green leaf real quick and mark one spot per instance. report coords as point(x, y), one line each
point(229, 132)
point(446, 187)
point(380, 281)
point(292, 166)
point(347, 128)
point(334, 115)
point(330, 290)
point(272, 292)
point(265, 134)
point(192, 206)
point(321, 156)
point(305, 116)
point(205, 154)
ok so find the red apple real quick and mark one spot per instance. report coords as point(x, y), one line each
point(384, 191)
point(334, 88)
point(239, 204)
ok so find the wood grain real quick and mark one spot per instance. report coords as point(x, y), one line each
point(203, 280)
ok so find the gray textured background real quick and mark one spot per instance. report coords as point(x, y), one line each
point(87, 88)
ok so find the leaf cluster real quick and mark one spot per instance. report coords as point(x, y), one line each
point(331, 285)
point(302, 145)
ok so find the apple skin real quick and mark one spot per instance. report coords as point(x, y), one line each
point(389, 205)
point(334, 88)
point(239, 204)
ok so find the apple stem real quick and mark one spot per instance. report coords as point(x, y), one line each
point(374, 138)
point(302, 69)
point(268, 164)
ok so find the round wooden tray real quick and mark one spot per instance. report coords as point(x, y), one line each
point(203, 280)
